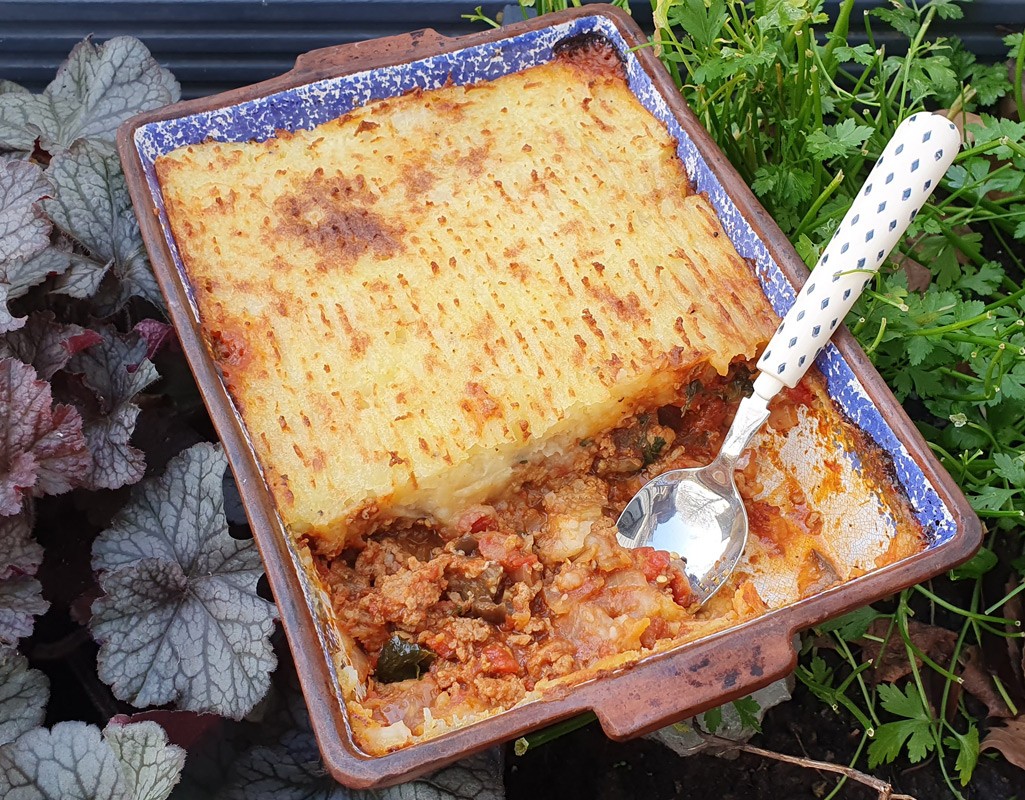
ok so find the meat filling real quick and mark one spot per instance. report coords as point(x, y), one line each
point(533, 586)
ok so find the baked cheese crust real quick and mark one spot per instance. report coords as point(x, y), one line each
point(410, 303)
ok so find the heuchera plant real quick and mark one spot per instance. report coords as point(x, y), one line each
point(168, 590)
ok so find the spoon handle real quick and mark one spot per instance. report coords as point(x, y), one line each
point(910, 167)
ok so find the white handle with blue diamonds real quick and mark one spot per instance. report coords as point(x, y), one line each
point(910, 167)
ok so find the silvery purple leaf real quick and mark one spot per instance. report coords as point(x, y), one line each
point(24, 229)
point(18, 275)
point(114, 370)
point(75, 761)
point(94, 91)
point(21, 599)
point(92, 206)
point(23, 695)
point(181, 621)
point(45, 344)
point(41, 446)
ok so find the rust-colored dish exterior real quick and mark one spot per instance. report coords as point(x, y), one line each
point(662, 688)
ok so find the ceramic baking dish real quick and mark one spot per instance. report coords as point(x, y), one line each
point(662, 688)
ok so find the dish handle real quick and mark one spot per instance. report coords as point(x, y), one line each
point(369, 54)
point(714, 675)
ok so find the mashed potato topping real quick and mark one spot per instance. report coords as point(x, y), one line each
point(410, 301)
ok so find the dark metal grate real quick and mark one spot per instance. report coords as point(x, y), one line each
point(213, 45)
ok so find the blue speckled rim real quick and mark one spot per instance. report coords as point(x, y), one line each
point(307, 106)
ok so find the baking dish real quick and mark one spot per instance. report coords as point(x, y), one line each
point(328, 83)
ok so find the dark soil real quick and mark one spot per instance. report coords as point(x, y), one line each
point(585, 764)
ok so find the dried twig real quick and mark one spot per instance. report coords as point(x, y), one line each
point(884, 789)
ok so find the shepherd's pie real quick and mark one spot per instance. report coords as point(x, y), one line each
point(462, 327)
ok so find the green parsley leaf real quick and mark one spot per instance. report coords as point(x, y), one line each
point(831, 141)
point(915, 728)
point(977, 566)
point(747, 709)
point(985, 280)
point(991, 498)
point(887, 743)
point(918, 348)
point(967, 747)
point(901, 18)
point(713, 719)
point(702, 21)
point(853, 625)
point(818, 677)
point(862, 54)
point(1011, 468)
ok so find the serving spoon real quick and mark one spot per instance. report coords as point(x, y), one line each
point(698, 513)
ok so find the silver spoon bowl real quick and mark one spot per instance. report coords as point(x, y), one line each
point(698, 514)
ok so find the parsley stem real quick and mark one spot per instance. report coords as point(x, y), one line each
point(950, 462)
point(963, 376)
point(1019, 68)
point(846, 650)
point(854, 760)
point(527, 743)
point(992, 144)
point(973, 253)
point(813, 211)
point(1002, 634)
point(905, 72)
point(914, 651)
point(985, 432)
point(1000, 346)
point(963, 612)
point(900, 305)
point(991, 514)
point(959, 644)
point(950, 332)
point(1008, 300)
point(965, 398)
point(935, 726)
point(1004, 695)
point(879, 337)
point(1007, 597)
point(840, 30)
point(1012, 328)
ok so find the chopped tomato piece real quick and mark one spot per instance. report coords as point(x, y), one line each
point(652, 562)
point(441, 645)
point(682, 592)
point(499, 660)
point(506, 550)
point(476, 519)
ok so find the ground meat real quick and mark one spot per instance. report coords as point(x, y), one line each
point(405, 597)
point(456, 638)
point(552, 659)
point(519, 599)
point(498, 692)
point(381, 557)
